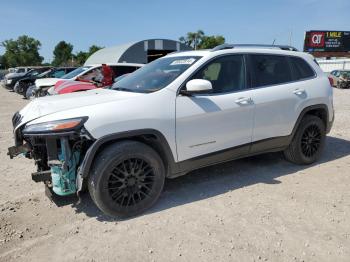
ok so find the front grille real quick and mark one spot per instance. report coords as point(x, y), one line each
point(16, 119)
point(36, 141)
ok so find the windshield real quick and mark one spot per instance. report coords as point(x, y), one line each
point(75, 72)
point(19, 70)
point(45, 73)
point(33, 73)
point(156, 75)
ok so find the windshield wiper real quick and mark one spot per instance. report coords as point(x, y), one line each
point(123, 89)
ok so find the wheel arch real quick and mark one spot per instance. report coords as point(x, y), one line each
point(150, 137)
point(319, 110)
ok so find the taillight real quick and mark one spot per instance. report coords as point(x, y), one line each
point(331, 81)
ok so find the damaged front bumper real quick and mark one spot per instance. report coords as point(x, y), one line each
point(14, 151)
point(344, 84)
point(57, 155)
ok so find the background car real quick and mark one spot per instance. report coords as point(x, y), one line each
point(12, 80)
point(108, 78)
point(84, 73)
point(23, 84)
point(14, 72)
point(340, 78)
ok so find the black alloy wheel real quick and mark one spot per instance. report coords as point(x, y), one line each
point(126, 179)
point(131, 181)
point(311, 141)
point(308, 141)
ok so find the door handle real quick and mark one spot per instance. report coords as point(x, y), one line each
point(299, 92)
point(244, 101)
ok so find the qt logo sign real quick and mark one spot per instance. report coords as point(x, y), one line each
point(316, 39)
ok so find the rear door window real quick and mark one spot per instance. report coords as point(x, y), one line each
point(270, 70)
point(301, 69)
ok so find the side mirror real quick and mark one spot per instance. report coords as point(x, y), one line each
point(197, 86)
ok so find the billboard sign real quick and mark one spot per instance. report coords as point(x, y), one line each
point(327, 41)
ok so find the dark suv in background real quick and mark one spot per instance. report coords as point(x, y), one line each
point(24, 83)
point(32, 72)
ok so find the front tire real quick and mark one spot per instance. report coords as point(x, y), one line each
point(308, 141)
point(29, 93)
point(126, 179)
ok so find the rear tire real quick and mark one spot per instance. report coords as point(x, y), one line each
point(126, 179)
point(308, 141)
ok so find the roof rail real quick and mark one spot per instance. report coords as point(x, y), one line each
point(230, 46)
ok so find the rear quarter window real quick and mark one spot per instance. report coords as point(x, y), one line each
point(301, 69)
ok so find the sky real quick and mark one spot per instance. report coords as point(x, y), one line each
point(107, 22)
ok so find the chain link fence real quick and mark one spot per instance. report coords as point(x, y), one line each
point(330, 65)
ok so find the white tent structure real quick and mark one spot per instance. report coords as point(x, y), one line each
point(140, 52)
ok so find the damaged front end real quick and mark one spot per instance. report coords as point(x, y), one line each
point(58, 148)
point(344, 83)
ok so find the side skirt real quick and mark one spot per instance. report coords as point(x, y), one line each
point(256, 148)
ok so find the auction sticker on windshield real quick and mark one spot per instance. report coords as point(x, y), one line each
point(183, 61)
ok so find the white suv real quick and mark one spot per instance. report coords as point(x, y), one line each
point(181, 112)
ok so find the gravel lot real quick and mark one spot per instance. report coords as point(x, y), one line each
point(256, 209)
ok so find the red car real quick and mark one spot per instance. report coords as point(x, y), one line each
point(99, 77)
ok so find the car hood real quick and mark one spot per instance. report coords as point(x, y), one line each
point(28, 78)
point(63, 87)
point(13, 75)
point(51, 104)
point(46, 82)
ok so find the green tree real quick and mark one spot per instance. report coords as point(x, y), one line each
point(192, 39)
point(82, 56)
point(62, 54)
point(209, 42)
point(2, 62)
point(93, 49)
point(198, 40)
point(22, 52)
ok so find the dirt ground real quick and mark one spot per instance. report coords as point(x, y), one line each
point(257, 209)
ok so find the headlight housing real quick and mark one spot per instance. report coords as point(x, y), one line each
point(8, 81)
point(58, 126)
